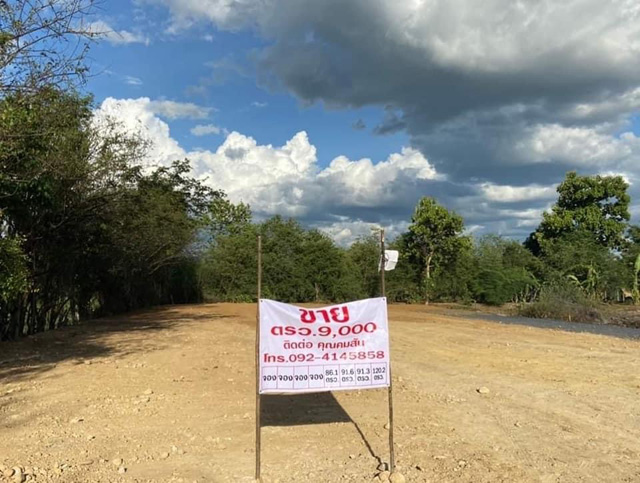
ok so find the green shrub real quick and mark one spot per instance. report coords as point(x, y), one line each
point(562, 302)
point(499, 286)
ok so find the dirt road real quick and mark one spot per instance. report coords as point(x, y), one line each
point(168, 396)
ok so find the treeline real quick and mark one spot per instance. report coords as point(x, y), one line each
point(584, 253)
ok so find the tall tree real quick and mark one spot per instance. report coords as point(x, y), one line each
point(82, 228)
point(598, 205)
point(148, 235)
point(435, 235)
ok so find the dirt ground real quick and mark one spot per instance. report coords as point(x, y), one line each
point(168, 396)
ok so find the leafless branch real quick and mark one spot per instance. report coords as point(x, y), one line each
point(43, 42)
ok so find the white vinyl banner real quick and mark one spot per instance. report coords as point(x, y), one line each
point(326, 349)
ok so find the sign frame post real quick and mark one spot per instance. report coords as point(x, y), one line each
point(258, 425)
point(258, 396)
point(392, 459)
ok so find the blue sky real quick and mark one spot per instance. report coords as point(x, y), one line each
point(270, 115)
point(483, 107)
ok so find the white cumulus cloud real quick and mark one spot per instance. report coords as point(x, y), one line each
point(288, 179)
point(137, 116)
point(347, 197)
point(574, 146)
point(510, 194)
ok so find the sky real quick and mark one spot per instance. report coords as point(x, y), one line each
point(343, 113)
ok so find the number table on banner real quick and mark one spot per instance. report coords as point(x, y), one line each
point(325, 349)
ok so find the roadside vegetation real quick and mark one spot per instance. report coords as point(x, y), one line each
point(583, 256)
point(86, 231)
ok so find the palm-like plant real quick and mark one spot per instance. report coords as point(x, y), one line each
point(589, 285)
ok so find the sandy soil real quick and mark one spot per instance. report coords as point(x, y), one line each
point(168, 396)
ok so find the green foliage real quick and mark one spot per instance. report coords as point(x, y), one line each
point(452, 277)
point(328, 269)
point(284, 273)
point(497, 287)
point(84, 231)
point(225, 217)
point(581, 260)
point(581, 243)
point(636, 275)
point(298, 265)
point(598, 205)
point(403, 283)
point(503, 272)
point(631, 257)
point(303, 265)
point(13, 269)
point(147, 237)
point(364, 256)
point(229, 267)
point(434, 238)
point(97, 234)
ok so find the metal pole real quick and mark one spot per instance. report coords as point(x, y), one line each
point(392, 459)
point(258, 400)
point(382, 264)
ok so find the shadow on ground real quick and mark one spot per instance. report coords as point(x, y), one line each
point(315, 408)
point(90, 340)
point(303, 409)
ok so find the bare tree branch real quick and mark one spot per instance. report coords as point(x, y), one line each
point(43, 42)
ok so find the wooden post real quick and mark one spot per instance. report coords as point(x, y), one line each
point(392, 459)
point(258, 400)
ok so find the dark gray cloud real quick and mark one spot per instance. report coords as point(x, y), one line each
point(467, 80)
point(391, 123)
point(513, 94)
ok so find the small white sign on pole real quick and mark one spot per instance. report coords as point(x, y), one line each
point(325, 349)
point(390, 260)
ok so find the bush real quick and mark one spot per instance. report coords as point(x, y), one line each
point(562, 302)
point(499, 286)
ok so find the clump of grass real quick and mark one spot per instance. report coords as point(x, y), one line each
point(562, 302)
